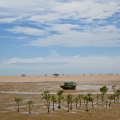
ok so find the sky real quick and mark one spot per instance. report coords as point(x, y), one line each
point(40, 37)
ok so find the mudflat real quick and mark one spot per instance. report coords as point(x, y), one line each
point(31, 88)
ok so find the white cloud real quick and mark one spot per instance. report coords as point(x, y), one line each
point(20, 60)
point(26, 30)
point(50, 12)
point(53, 10)
point(16, 7)
point(58, 63)
point(50, 17)
point(99, 36)
point(78, 9)
point(9, 20)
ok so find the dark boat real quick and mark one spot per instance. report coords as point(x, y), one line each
point(68, 85)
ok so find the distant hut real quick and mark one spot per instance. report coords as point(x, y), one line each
point(56, 75)
point(23, 75)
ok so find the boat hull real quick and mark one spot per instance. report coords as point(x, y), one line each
point(68, 87)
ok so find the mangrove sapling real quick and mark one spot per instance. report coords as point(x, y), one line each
point(111, 97)
point(83, 98)
point(48, 101)
point(59, 97)
point(103, 91)
point(48, 106)
point(30, 103)
point(91, 100)
point(76, 100)
point(106, 102)
point(68, 100)
point(80, 98)
point(18, 100)
point(60, 92)
point(118, 94)
point(114, 90)
point(114, 96)
point(71, 102)
point(53, 99)
point(46, 96)
point(86, 99)
point(89, 94)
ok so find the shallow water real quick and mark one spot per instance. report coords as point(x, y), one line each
point(16, 92)
point(90, 87)
point(108, 107)
point(29, 113)
point(72, 111)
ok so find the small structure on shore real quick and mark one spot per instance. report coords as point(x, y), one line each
point(56, 75)
point(23, 75)
point(68, 85)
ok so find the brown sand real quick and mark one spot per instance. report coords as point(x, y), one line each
point(31, 87)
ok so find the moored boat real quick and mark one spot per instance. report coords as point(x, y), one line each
point(68, 85)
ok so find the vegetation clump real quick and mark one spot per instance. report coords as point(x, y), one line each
point(72, 100)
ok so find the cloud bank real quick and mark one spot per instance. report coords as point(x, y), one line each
point(65, 23)
point(65, 65)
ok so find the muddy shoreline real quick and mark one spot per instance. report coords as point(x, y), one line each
point(30, 88)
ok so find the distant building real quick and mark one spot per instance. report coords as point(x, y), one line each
point(23, 75)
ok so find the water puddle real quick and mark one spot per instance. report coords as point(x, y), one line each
point(63, 107)
point(107, 107)
point(95, 106)
point(72, 111)
point(16, 92)
point(29, 113)
point(89, 92)
point(90, 87)
point(39, 93)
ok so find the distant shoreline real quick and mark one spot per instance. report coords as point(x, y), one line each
point(60, 78)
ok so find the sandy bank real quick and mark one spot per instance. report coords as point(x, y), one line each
point(60, 78)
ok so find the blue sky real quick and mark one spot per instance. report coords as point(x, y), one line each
point(40, 37)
